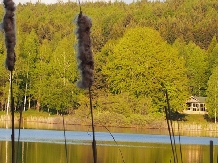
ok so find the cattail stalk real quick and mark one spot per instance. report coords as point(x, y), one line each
point(12, 121)
point(94, 148)
point(86, 64)
point(8, 26)
point(115, 142)
point(170, 127)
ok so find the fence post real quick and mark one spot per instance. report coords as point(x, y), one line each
point(211, 151)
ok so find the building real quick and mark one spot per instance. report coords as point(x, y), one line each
point(195, 105)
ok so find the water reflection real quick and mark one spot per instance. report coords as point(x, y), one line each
point(33, 152)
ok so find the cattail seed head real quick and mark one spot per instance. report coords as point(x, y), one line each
point(84, 51)
point(8, 26)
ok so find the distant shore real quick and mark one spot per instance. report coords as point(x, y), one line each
point(70, 120)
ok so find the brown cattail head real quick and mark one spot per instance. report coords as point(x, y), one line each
point(84, 51)
point(10, 36)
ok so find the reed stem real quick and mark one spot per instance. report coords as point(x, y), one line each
point(94, 149)
point(12, 115)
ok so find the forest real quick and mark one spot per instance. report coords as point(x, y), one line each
point(140, 50)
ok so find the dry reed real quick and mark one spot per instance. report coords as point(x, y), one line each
point(8, 26)
point(84, 51)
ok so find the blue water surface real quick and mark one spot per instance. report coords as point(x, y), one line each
point(72, 137)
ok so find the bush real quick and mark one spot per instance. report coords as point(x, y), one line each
point(111, 119)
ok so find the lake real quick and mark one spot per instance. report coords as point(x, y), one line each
point(133, 146)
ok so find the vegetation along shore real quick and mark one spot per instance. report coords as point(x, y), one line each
point(190, 123)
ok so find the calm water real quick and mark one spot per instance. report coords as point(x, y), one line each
point(133, 146)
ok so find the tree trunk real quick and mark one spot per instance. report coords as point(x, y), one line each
point(24, 103)
point(29, 103)
point(38, 106)
point(8, 103)
point(9, 93)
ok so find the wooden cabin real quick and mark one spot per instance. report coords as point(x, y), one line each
point(195, 105)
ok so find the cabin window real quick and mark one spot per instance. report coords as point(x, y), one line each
point(202, 107)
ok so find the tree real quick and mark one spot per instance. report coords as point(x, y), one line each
point(212, 45)
point(196, 62)
point(4, 82)
point(140, 62)
point(27, 62)
point(57, 76)
point(212, 94)
point(3, 74)
point(213, 61)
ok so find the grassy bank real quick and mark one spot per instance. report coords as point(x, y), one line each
point(186, 122)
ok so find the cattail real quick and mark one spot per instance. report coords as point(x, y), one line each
point(8, 26)
point(86, 63)
point(84, 51)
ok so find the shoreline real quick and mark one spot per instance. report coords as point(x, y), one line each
point(69, 120)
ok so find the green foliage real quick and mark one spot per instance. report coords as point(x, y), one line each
point(140, 62)
point(212, 94)
point(123, 103)
point(196, 62)
point(212, 45)
point(3, 82)
point(213, 61)
point(111, 119)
